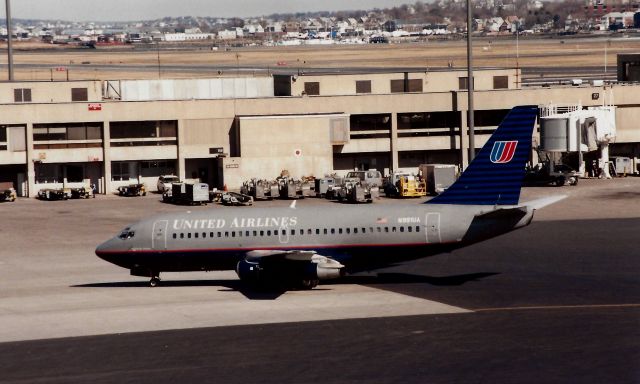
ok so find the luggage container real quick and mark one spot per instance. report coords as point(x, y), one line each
point(260, 189)
point(290, 188)
point(323, 186)
point(623, 165)
point(439, 176)
point(183, 193)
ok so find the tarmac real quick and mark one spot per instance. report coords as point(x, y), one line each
point(557, 301)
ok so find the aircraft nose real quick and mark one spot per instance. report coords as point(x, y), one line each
point(105, 249)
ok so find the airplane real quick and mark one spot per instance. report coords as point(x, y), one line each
point(298, 247)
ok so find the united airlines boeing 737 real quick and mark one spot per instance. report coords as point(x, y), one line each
point(299, 246)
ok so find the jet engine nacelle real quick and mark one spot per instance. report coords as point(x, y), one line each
point(324, 273)
point(293, 271)
point(248, 271)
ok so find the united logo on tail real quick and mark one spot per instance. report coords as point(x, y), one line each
point(503, 151)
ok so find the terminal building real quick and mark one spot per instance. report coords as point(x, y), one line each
point(224, 131)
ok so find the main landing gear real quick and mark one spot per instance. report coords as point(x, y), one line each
point(155, 280)
point(309, 283)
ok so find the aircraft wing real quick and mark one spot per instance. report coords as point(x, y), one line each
point(259, 255)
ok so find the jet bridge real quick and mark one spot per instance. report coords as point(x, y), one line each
point(577, 129)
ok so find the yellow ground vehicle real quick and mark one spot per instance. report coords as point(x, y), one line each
point(405, 185)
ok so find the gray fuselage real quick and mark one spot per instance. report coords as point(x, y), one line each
point(360, 237)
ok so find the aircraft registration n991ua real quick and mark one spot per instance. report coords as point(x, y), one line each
point(299, 246)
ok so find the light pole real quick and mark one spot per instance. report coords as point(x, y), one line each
point(9, 43)
point(158, 52)
point(472, 145)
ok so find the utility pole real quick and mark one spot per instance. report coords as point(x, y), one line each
point(472, 144)
point(158, 51)
point(9, 43)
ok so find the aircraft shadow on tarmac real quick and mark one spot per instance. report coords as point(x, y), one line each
point(272, 293)
point(408, 278)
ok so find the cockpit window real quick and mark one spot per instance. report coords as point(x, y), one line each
point(126, 233)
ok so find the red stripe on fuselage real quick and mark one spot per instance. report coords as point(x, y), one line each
point(285, 248)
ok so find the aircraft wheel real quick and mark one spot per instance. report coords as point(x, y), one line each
point(154, 281)
point(307, 284)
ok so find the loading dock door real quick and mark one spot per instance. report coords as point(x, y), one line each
point(159, 238)
point(432, 230)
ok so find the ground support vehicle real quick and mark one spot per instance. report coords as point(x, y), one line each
point(324, 185)
point(371, 177)
point(260, 189)
point(542, 174)
point(81, 193)
point(355, 191)
point(308, 186)
point(8, 194)
point(190, 194)
point(290, 188)
point(52, 194)
point(234, 198)
point(405, 185)
point(132, 190)
point(165, 182)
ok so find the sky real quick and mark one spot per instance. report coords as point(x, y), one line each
point(129, 10)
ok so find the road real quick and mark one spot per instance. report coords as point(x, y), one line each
point(557, 301)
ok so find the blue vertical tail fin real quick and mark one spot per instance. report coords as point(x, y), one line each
point(495, 175)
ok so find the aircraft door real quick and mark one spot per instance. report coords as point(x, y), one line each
point(159, 236)
point(432, 227)
point(283, 234)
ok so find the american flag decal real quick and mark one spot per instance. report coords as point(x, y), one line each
point(381, 220)
point(503, 151)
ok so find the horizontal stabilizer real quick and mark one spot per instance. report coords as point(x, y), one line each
point(543, 202)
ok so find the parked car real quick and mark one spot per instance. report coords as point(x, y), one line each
point(165, 182)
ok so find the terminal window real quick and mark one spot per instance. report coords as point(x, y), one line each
point(402, 85)
point(79, 94)
point(500, 82)
point(312, 88)
point(22, 95)
point(363, 86)
point(463, 82)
